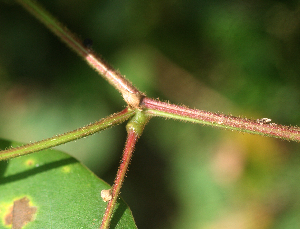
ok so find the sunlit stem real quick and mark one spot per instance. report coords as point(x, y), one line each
point(162, 109)
point(131, 94)
point(134, 130)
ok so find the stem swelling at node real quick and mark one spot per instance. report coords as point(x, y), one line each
point(137, 123)
point(140, 109)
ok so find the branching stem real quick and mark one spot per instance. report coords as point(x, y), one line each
point(139, 105)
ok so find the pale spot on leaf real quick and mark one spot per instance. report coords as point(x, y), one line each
point(106, 195)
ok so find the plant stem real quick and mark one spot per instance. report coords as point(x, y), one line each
point(163, 109)
point(134, 130)
point(103, 124)
point(129, 147)
point(131, 94)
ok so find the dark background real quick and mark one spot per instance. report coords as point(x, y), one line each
point(234, 57)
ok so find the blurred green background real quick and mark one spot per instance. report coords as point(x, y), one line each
point(234, 57)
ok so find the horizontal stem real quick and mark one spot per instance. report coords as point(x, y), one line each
point(163, 109)
point(103, 124)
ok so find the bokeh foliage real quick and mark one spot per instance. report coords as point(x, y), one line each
point(239, 58)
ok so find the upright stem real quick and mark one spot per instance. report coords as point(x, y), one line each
point(134, 129)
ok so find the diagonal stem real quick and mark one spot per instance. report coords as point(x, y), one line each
point(134, 130)
point(131, 94)
point(163, 109)
point(103, 124)
point(127, 154)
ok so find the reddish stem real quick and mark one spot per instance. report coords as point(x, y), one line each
point(163, 109)
point(131, 94)
point(127, 154)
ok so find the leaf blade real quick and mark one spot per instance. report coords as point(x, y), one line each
point(65, 193)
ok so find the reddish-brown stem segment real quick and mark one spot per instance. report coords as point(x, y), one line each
point(163, 109)
point(127, 154)
point(130, 94)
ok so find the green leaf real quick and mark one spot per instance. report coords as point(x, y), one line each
point(51, 189)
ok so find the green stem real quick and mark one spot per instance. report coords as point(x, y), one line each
point(162, 109)
point(130, 94)
point(134, 128)
point(103, 124)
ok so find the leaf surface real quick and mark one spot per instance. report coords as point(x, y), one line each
point(50, 189)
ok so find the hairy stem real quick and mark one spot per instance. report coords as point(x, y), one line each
point(129, 147)
point(163, 109)
point(134, 130)
point(103, 124)
point(131, 95)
